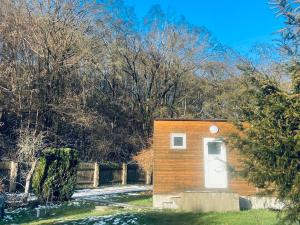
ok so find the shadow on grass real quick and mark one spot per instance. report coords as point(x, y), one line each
point(150, 217)
point(23, 216)
point(253, 217)
point(169, 218)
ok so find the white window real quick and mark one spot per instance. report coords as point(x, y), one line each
point(178, 141)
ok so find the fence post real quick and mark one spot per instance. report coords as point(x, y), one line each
point(96, 175)
point(13, 176)
point(148, 177)
point(124, 173)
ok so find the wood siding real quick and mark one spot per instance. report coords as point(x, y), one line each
point(183, 170)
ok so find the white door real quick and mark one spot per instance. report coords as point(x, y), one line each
point(215, 163)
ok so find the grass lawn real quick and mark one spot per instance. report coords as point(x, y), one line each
point(143, 199)
point(252, 217)
point(86, 213)
point(64, 212)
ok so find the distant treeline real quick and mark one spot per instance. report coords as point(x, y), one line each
point(93, 76)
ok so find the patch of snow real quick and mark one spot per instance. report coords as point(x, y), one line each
point(8, 217)
point(104, 195)
point(74, 203)
point(116, 219)
point(133, 193)
point(18, 197)
point(16, 211)
point(91, 193)
point(49, 206)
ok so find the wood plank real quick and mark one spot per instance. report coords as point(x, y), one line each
point(183, 170)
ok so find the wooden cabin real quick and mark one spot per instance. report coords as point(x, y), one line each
point(192, 166)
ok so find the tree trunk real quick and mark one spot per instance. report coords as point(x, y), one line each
point(124, 173)
point(13, 176)
point(28, 181)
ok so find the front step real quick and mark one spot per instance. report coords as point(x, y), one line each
point(171, 203)
point(198, 201)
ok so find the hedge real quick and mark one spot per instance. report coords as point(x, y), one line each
point(55, 176)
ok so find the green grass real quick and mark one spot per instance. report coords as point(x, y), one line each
point(252, 217)
point(75, 216)
point(141, 213)
point(143, 199)
point(66, 212)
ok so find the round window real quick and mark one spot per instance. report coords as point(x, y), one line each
point(213, 129)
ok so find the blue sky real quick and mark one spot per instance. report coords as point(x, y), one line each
point(236, 23)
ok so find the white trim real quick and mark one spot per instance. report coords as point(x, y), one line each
point(205, 152)
point(183, 135)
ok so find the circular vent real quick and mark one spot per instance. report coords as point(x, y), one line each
point(213, 129)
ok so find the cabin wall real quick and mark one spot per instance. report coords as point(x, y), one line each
point(178, 171)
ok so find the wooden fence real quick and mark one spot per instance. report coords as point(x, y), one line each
point(88, 175)
point(95, 174)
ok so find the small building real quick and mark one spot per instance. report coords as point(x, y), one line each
point(192, 167)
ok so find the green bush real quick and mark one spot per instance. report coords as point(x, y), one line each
point(55, 176)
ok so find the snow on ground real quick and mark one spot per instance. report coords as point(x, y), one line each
point(18, 198)
point(116, 219)
point(103, 196)
point(90, 194)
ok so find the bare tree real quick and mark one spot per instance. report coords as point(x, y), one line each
point(97, 77)
point(30, 144)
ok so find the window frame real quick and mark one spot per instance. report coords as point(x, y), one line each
point(215, 142)
point(174, 147)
